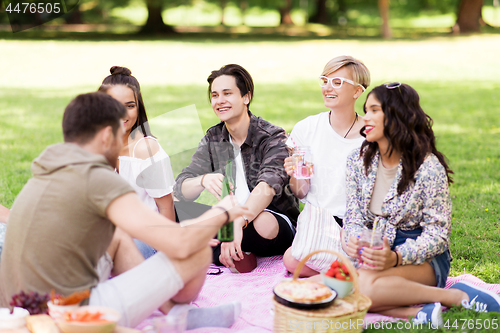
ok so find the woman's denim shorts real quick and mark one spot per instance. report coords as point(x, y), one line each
point(440, 264)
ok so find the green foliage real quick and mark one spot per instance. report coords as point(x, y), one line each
point(265, 13)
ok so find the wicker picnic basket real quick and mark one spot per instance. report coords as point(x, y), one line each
point(344, 315)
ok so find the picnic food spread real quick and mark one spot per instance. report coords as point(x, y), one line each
point(74, 298)
point(34, 302)
point(85, 317)
point(303, 291)
point(41, 324)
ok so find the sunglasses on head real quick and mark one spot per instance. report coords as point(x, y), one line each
point(393, 85)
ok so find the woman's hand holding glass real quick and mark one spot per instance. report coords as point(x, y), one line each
point(351, 247)
point(378, 260)
point(289, 166)
point(299, 187)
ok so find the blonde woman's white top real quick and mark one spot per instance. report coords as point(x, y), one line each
point(329, 155)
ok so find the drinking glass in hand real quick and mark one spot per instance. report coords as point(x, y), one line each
point(371, 239)
point(303, 168)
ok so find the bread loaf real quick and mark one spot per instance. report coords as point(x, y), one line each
point(41, 324)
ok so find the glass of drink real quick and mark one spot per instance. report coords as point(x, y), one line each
point(371, 238)
point(303, 167)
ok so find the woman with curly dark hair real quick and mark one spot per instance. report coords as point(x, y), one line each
point(397, 183)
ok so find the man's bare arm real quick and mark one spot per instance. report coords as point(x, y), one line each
point(176, 241)
point(259, 199)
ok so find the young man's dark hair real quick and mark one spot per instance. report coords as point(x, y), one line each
point(88, 113)
point(244, 80)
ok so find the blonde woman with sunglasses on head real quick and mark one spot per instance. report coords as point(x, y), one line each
point(397, 183)
point(330, 136)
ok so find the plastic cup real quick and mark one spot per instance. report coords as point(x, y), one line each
point(372, 239)
point(303, 167)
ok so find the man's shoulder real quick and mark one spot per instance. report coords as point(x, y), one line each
point(215, 131)
point(264, 127)
point(100, 174)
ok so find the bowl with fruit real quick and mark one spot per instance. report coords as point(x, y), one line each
point(89, 319)
point(338, 278)
point(59, 305)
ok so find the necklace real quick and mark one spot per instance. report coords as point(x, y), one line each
point(350, 128)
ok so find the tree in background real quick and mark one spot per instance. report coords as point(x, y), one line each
point(329, 12)
point(320, 14)
point(243, 8)
point(469, 17)
point(383, 6)
point(154, 24)
point(92, 11)
point(284, 8)
point(286, 12)
point(222, 4)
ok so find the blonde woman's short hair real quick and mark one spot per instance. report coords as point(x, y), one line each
point(360, 73)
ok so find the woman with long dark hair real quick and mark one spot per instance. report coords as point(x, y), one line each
point(142, 162)
point(397, 183)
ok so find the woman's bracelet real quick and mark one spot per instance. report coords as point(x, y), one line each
point(225, 211)
point(397, 258)
point(246, 222)
point(201, 181)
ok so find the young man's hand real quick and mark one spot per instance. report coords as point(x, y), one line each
point(230, 251)
point(212, 182)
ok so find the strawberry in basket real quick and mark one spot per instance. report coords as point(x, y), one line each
point(338, 271)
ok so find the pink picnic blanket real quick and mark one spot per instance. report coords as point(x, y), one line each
point(255, 292)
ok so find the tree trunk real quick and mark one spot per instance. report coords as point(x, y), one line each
point(342, 7)
point(243, 8)
point(321, 13)
point(285, 13)
point(74, 17)
point(469, 16)
point(222, 8)
point(155, 23)
point(383, 7)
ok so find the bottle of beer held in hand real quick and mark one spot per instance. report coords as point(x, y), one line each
point(226, 232)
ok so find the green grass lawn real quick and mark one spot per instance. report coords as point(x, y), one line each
point(458, 80)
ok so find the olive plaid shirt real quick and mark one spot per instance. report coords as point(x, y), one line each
point(263, 154)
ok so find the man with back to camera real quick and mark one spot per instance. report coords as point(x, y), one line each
point(62, 223)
